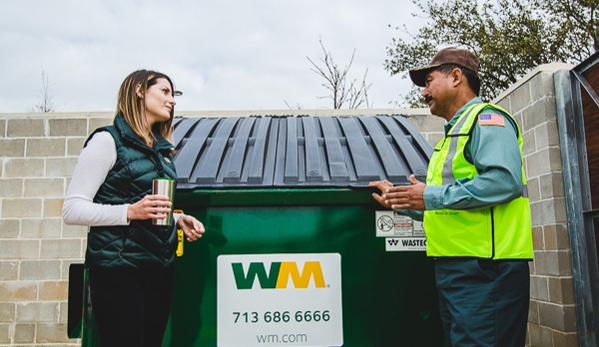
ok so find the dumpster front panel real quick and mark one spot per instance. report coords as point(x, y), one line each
point(388, 298)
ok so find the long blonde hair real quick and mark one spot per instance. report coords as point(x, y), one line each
point(133, 108)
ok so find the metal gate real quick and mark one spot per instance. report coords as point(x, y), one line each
point(578, 120)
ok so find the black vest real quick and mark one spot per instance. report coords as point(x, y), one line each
point(140, 244)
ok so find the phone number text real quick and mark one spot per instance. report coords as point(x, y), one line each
point(282, 317)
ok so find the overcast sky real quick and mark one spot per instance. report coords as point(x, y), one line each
point(223, 54)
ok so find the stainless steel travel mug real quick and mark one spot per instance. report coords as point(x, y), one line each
point(164, 186)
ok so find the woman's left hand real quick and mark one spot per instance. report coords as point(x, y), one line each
point(193, 228)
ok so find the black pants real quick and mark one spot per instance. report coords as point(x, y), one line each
point(483, 303)
point(130, 306)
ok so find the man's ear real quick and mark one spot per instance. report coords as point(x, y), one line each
point(456, 75)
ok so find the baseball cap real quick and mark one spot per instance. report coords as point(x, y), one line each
point(449, 55)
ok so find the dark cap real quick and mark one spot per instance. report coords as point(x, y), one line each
point(450, 55)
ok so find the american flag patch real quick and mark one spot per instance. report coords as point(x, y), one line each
point(491, 119)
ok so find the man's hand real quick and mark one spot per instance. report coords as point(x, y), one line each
point(382, 186)
point(400, 197)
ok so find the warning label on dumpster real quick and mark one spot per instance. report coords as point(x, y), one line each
point(402, 233)
point(279, 300)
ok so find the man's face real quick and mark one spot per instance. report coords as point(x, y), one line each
point(439, 93)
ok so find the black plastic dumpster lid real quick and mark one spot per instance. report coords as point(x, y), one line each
point(302, 151)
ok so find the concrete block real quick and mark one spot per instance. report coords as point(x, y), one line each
point(12, 148)
point(565, 339)
point(40, 270)
point(561, 290)
point(60, 167)
point(549, 211)
point(553, 263)
point(68, 127)
point(61, 249)
point(559, 317)
point(18, 291)
point(539, 112)
point(25, 128)
point(2, 128)
point(44, 228)
point(95, 123)
point(11, 188)
point(54, 291)
point(529, 144)
point(75, 145)
point(543, 86)
point(555, 157)
point(9, 270)
point(52, 333)
point(540, 336)
point(19, 249)
point(552, 133)
point(534, 188)
point(5, 330)
point(46, 147)
point(520, 98)
point(9, 228)
point(24, 333)
point(24, 167)
point(505, 104)
point(7, 311)
point(556, 237)
point(538, 240)
point(552, 185)
point(53, 207)
point(64, 312)
point(22, 208)
point(538, 163)
point(44, 187)
point(74, 231)
point(538, 288)
point(533, 311)
point(37, 312)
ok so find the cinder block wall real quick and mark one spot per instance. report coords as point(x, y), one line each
point(552, 315)
point(38, 153)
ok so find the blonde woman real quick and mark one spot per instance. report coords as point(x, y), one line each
point(130, 260)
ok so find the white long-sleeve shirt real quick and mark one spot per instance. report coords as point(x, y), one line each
point(95, 161)
point(93, 165)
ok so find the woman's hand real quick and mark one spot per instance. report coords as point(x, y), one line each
point(150, 207)
point(193, 228)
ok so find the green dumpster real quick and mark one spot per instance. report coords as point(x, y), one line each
point(297, 253)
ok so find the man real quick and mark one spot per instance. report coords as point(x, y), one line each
point(474, 207)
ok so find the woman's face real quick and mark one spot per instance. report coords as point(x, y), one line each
point(159, 102)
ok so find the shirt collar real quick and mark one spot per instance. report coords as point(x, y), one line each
point(453, 120)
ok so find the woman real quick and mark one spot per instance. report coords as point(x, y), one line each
point(130, 260)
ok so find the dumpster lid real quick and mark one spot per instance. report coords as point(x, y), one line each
point(297, 151)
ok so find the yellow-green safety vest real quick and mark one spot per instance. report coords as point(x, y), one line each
point(499, 232)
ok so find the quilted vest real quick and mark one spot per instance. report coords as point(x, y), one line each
point(140, 244)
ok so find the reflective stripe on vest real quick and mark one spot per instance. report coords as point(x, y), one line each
point(500, 232)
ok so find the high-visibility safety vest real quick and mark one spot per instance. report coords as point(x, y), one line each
point(499, 232)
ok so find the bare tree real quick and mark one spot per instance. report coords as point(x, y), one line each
point(353, 94)
point(45, 102)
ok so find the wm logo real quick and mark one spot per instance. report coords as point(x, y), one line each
point(279, 274)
